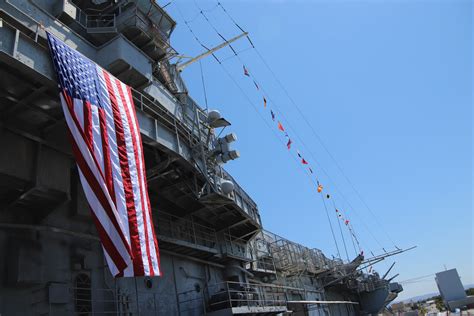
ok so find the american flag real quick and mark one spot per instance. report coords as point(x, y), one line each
point(107, 146)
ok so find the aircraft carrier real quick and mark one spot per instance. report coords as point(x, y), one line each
point(216, 257)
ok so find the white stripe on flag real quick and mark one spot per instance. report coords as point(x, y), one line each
point(110, 263)
point(102, 217)
point(136, 133)
point(79, 111)
point(114, 158)
point(97, 137)
point(109, 227)
point(133, 177)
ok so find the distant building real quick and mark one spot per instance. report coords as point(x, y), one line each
point(452, 290)
point(430, 307)
point(403, 309)
point(398, 307)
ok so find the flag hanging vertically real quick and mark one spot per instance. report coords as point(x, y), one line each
point(289, 143)
point(280, 127)
point(107, 147)
point(246, 72)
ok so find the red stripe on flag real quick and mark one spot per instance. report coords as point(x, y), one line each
point(106, 153)
point(127, 184)
point(92, 181)
point(72, 115)
point(89, 175)
point(129, 91)
point(139, 170)
point(109, 245)
point(88, 125)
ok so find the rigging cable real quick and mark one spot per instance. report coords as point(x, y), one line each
point(332, 230)
point(281, 113)
point(203, 86)
point(249, 100)
point(309, 125)
point(256, 110)
point(416, 279)
point(340, 230)
point(338, 191)
point(213, 27)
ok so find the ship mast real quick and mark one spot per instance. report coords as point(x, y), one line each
point(181, 66)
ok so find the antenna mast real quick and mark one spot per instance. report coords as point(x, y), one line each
point(180, 67)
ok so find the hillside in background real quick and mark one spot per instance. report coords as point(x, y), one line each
point(429, 295)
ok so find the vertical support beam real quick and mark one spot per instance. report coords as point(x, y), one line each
point(15, 43)
point(37, 32)
point(178, 144)
point(201, 147)
point(194, 231)
point(136, 296)
point(35, 176)
point(229, 294)
point(175, 285)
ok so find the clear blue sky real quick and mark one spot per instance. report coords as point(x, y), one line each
point(387, 86)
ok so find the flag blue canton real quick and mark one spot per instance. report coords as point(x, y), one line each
point(77, 75)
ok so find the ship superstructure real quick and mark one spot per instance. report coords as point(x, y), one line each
point(215, 255)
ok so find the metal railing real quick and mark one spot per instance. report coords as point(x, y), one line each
point(247, 204)
point(157, 15)
point(186, 230)
point(293, 258)
point(262, 260)
point(94, 301)
point(100, 21)
point(94, 21)
point(371, 283)
point(134, 17)
point(235, 294)
point(172, 121)
point(191, 302)
point(263, 264)
point(235, 247)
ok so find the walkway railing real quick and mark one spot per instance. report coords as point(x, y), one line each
point(293, 258)
point(235, 294)
point(186, 230)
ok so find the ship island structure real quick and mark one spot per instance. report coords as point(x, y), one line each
point(216, 257)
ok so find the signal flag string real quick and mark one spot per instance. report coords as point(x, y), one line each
point(303, 161)
point(311, 127)
point(248, 74)
point(280, 126)
point(319, 185)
